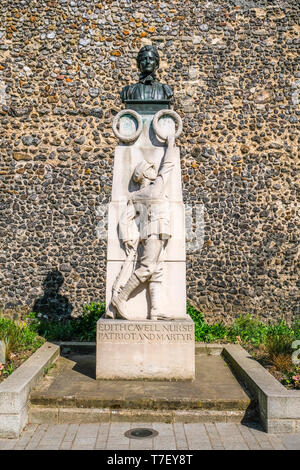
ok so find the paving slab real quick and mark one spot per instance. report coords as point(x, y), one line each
point(231, 436)
point(166, 438)
point(290, 441)
point(72, 384)
point(102, 438)
point(176, 436)
point(197, 436)
point(180, 437)
point(214, 436)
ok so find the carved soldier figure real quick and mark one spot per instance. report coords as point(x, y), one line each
point(148, 88)
point(150, 205)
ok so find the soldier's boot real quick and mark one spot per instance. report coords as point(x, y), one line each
point(119, 301)
point(155, 294)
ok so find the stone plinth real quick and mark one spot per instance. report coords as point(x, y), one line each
point(153, 350)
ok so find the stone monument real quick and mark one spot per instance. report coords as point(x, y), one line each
point(146, 332)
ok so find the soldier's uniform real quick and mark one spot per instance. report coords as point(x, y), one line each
point(148, 218)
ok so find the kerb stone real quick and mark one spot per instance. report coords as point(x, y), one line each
point(15, 390)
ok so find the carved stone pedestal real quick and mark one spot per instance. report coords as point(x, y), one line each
point(153, 350)
point(146, 260)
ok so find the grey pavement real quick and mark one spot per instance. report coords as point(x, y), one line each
point(177, 436)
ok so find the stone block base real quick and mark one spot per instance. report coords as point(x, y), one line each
point(153, 350)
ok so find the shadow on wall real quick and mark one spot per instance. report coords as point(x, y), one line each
point(52, 303)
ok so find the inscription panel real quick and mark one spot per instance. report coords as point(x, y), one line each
point(156, 350)
point(145, 332)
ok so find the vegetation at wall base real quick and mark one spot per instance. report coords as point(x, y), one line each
point(81, 328)
point(246, 330)
point(277, 336)
point(20, 341)
point(271, 344)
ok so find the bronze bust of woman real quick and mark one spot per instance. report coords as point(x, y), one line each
point(147, 88)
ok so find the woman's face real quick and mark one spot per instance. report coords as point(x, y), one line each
point(147, 62)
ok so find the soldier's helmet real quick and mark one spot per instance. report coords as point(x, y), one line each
point(140, 169)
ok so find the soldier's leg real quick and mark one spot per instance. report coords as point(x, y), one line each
point(155, 299)
point(155, 286)
point(155, 283)
point(120, 300)
point(150, 258)
point(148, 263)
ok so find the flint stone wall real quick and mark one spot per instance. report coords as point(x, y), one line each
point(234, 68)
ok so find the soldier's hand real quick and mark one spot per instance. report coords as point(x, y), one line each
point(171, 140)
point(129, 245)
